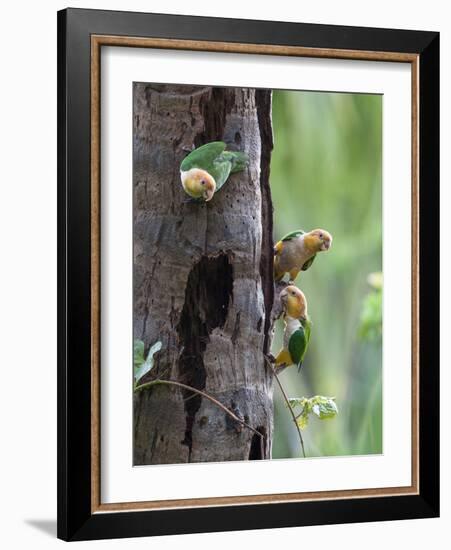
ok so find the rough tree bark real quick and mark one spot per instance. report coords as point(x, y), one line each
point(203, 281)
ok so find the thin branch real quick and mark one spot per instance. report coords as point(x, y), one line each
point(288, 405)
point(203, 394)
point(300, 414)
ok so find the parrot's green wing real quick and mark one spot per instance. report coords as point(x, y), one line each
point(238, 159)
point(220, 171)
point(307, 325)
point(227, 163)
point(308, 263)
point(293, 235)
point(298, 343)
point(297, 346)
point(203, 157)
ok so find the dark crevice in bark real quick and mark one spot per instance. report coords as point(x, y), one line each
point(214, 106)
point(207, 297)
point(236, 328)
point(263, 100)
point(257, 450)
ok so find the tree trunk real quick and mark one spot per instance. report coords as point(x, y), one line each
point(203, 282)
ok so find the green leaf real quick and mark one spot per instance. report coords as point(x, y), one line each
point(142, 366)
point(297, 401)
point(138, 353)
point(321, 406)
point(302, 419)
point(324, 407)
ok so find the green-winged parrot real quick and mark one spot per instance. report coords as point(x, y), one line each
point(296, 336)
point(297, 250)
point(205, 170)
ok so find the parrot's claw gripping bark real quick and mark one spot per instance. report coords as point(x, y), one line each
point(270, 358)
point(280, 285)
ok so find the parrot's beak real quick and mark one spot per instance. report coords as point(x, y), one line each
point(326, 245)
point(208, 195)
point(209, 191)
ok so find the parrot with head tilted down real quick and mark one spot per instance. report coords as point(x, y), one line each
point(297, 250)
point(296, 335)
point(205, 170)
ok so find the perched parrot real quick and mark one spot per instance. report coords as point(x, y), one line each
point(296, 336)
point(205, 170)
point(297, 250)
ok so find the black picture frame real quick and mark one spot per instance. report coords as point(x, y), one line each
point(75, 518)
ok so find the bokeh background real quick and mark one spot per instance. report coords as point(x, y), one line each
point(326, 172)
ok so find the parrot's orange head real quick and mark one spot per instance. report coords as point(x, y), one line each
point(294, 302)
point(318, 240)
point(199, 184)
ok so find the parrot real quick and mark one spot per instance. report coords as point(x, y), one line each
point(297, 250)
point(296, 335)
point(205, 170)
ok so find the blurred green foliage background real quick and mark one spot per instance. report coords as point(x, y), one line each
point(326, 172)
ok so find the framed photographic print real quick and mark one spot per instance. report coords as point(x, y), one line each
point(248, 274)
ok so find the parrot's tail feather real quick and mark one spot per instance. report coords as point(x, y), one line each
point(299, 366)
